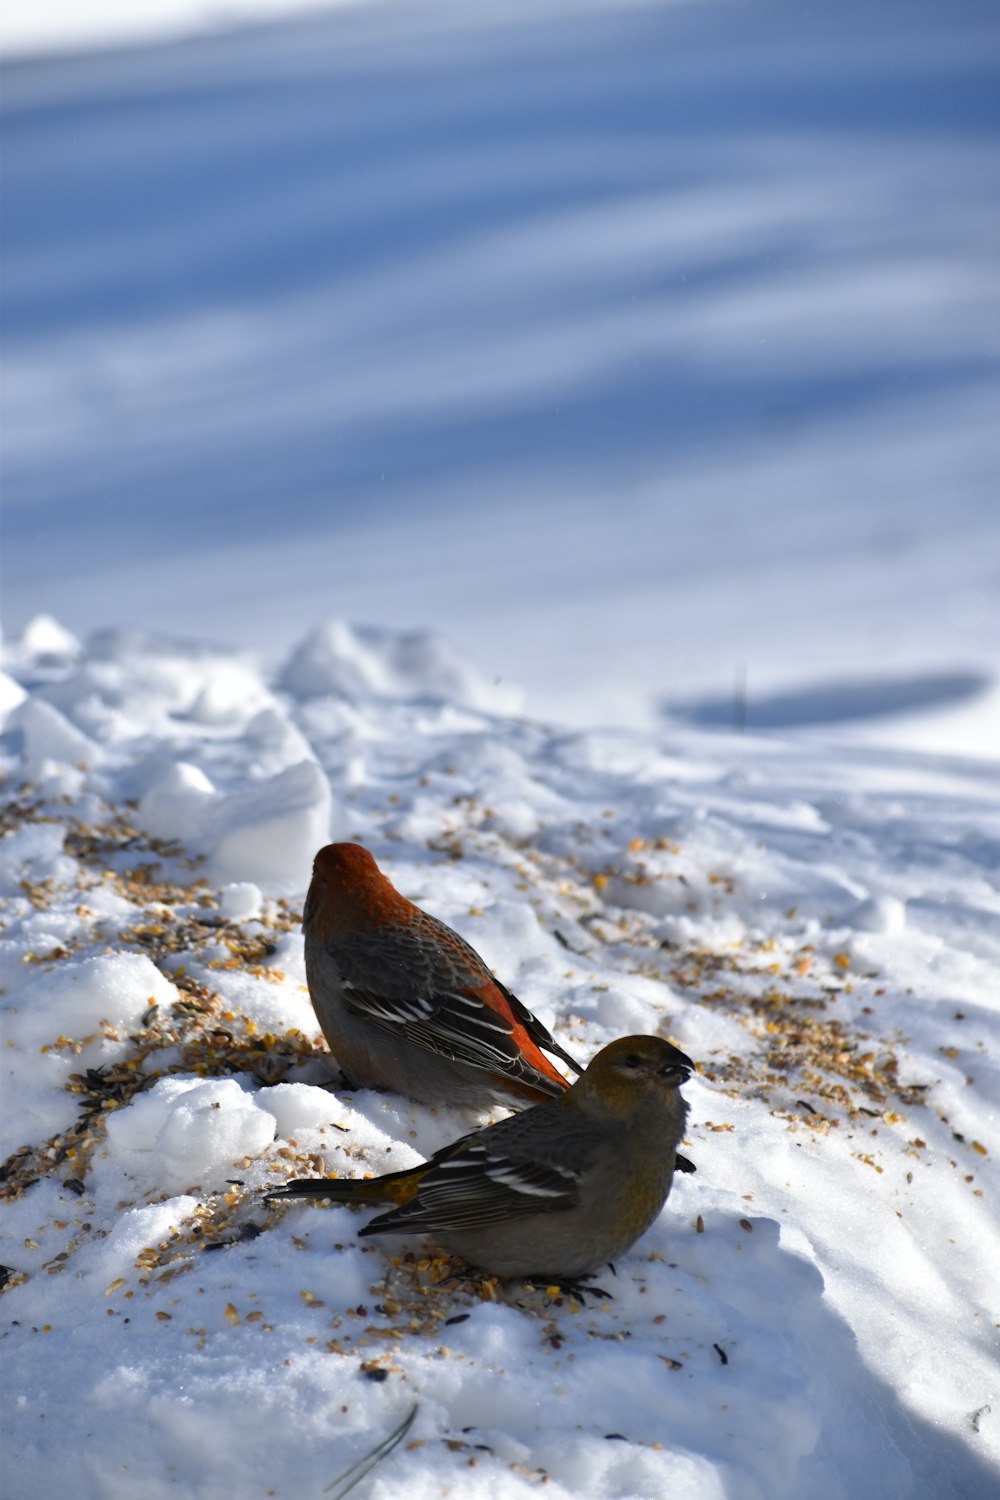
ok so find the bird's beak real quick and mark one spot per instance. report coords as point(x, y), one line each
point(677, 1073)
point(679, 1069)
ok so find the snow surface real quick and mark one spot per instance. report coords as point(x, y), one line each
point(372, 379)
point(813, 1311)
point(649, 352)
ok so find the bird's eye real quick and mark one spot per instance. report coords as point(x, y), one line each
point(632, 1061)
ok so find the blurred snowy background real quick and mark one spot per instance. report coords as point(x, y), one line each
point(649, 352)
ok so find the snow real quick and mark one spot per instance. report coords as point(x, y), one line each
point(820, 928)
point(183, 1131)
point(240, 901)
point(92, 1001)
point(559, 451)
point(644, 351)
point(48, 735)
point(57, 25)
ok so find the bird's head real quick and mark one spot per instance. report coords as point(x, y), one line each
point(348, 890)
point(344, 862)
point(632, 1074)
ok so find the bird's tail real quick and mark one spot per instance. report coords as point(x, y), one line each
point(395, 1187)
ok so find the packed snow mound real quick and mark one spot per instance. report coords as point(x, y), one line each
point(266, 832)
point(33, 851)
point(68, 1017)
point(135, 1231)
point(362, 661)
point(183, 1132)
point(47, 735)
point(79, 997)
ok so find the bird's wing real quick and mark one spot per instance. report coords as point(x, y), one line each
point(426, 982)
point(540, 1035)
point(480, 1182)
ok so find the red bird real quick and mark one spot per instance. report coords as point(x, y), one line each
point(406, 1004)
